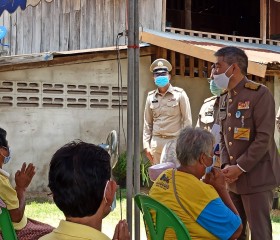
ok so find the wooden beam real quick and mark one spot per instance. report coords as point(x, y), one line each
point(263, 20)
point(191, 66)
point(173, 63)
point(182, 64)
point(164, 53)
point(163, 16)
point(272, 72)
point(200, 68)
point(209, 69)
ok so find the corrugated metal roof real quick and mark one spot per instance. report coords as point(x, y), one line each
point(259, 55)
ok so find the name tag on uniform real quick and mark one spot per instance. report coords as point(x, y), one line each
point(154, 101)
point(241, 134)
point(210, 113)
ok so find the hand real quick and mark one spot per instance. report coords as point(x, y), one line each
point(121, 231)
point(24, 176)
point(231, 173)
point(216, 179)
point(149, 155)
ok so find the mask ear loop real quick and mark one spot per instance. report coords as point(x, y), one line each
point(104, 194)
point(120, 194)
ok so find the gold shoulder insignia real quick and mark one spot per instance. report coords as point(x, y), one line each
point(252, 85)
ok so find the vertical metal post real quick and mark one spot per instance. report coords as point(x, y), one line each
point(130, 103)
point(136, 119)
point(263, 20)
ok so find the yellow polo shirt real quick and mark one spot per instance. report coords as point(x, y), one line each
point(70, 231)
point(9, 196)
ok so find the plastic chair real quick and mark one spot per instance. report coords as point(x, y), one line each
point(165, 218)
point(6, 225)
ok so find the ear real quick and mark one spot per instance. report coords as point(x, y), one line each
point(235, 68)
point(110, 191)
point(201, 158)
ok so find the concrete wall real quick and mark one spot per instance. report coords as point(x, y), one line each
point(35, 133)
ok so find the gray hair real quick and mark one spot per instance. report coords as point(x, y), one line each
point(191, 143)
point(234, 55)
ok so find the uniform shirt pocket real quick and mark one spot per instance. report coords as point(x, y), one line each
point(247, 115)
point(172, 107)
point(155, 108)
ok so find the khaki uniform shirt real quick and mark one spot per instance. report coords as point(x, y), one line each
point(278, 120)
point(166, 114)
point(208, 113)
point(247, 138)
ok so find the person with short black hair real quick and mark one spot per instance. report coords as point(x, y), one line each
point(14, 198)
point(79, 179)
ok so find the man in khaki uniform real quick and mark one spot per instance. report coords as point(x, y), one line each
point(249, 155)
point(167, 111)
point(208, 114)
point(278, 120)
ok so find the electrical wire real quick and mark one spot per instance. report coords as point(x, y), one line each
point(120, 95)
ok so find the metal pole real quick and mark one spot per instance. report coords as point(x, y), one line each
point(130, 102)
point(136, 119)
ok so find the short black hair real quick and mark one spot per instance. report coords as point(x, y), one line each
point(78, 174)
point(234, 55)
point(3, 140)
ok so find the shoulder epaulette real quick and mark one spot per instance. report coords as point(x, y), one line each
point(178, 89)
point(252, 86)
point(210, 99)
point(151, 92)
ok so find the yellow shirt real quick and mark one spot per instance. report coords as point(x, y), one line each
point(70, 231)
point(207, 218)
point(9, 196)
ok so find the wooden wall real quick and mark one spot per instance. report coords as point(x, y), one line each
point(64, 25)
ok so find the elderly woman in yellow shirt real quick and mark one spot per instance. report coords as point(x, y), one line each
point(14, 198)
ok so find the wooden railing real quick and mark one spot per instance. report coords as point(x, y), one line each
point(222, 36)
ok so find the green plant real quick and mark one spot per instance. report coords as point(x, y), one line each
point(119, 172)
point(144, 173)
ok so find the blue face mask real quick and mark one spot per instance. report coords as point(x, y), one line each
point(161, 81)
point(209, 169)
point(215, 90)
point(7, 158)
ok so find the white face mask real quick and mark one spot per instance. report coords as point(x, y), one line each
point(222, 79)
